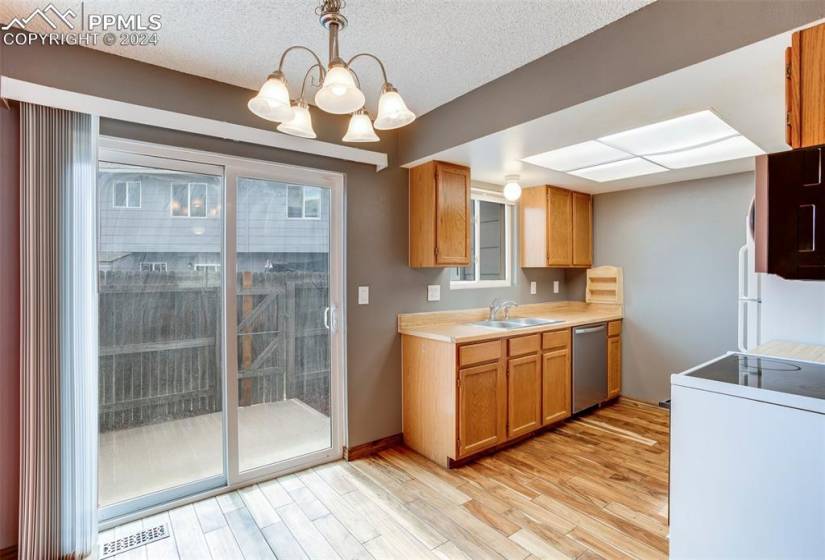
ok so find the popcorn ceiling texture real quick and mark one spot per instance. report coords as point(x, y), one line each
point(434, 50)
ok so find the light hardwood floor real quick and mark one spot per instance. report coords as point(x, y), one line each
point(595, 487)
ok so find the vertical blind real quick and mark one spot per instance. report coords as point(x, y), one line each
point(58, 432)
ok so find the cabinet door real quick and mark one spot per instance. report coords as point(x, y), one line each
point(614, 366)
point(452, 215)
point(482, 394)
point(582, 229)
point(555, 386)
point(559, 227)
point(805, 88)
point(523, 395)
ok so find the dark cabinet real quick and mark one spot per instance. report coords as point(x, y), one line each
point(789, 228)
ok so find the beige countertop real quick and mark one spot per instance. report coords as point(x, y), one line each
point(452, 326)
point(791, 350)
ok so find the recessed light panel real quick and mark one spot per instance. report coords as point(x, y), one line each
point(577, 156)
point(616, 170)
point(680, 133)
point(724, 150)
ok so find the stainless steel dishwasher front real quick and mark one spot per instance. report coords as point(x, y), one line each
point(589, 366)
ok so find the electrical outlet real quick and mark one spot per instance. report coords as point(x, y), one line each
point(434, 292)
point(363, 295)
point(533, 288)
point(555, 286)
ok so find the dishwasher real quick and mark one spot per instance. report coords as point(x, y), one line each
point(589, 366)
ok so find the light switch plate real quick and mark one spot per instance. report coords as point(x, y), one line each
point(533, 288)
point(555, 286)
point(363, 295)
point(434, 292)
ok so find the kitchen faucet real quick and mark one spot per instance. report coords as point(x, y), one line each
point(496, 304)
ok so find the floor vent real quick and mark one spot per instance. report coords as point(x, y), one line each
point(146, 536)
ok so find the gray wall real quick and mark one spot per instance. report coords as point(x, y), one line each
point(677, 245)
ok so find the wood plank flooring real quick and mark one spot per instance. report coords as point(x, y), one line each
point(595, 487)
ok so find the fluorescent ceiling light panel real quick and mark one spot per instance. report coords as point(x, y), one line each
point(680, 133)
point(732, 148)
point(577, 156)
point(618, 170)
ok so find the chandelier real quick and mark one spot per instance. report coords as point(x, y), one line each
point(339, 91)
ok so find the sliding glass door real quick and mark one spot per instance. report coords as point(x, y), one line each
point(220, 285)
point(160, 368)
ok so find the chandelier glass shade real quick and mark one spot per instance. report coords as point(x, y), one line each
point(272, 102)
point(301, 122)
point(339, 90)
point(360, 128)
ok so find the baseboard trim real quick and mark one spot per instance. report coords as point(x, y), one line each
point(9, 553)
point(372, 447)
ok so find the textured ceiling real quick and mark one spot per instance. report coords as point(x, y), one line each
point(435, 50)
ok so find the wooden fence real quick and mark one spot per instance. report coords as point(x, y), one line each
point(160, 350)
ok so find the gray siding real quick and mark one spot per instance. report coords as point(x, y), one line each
point(263, 225)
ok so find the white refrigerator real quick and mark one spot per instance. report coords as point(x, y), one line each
point(772, 308)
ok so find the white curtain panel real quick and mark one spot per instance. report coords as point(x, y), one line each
point(58, 471)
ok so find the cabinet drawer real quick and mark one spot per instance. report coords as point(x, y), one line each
point(614, 328)
point(477, 353)
point(523, 345)
point(555, 339)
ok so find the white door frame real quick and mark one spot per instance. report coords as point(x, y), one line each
point(135, 153)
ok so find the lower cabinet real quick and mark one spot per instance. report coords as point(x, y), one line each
point(556, 394)
point(482, 408)
point(462, 399)
point(523, 395)
point(614, 359)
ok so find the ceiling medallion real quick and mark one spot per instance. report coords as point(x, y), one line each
point(339, 91)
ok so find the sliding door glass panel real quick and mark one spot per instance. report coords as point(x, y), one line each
point(282, 267)
point(160, 366)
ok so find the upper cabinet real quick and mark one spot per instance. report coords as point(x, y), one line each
point(439, 215)
point(555, 228)
point(789, 240)
point(805, 88)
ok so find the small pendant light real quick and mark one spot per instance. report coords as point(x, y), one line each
point(512, 189)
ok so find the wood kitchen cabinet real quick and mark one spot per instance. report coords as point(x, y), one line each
point(790, 191)
point(481, 408)
point(463, 399)
point(440, 216)
point(805, 88)
point(614, 359)
point(555, 228)
point(523, 385)
point(556, 394)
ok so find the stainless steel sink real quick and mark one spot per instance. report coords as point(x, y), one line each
point(521, 323)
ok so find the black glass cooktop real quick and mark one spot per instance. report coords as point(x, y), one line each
point(784, 376)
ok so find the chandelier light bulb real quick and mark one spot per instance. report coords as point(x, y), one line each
point(360, 128)
point(392, 111)
point(339, 94)
point(512, 188)
point(272, 102)
point(301, 122)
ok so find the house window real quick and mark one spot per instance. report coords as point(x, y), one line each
point(207, 267)
point(303, 202)
point(153, 267)
point(490, 244)
point(189, 200)
point(126, 194)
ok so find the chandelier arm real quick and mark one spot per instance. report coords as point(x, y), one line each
point(300, 47)
point(309, 71)
point(375, 58)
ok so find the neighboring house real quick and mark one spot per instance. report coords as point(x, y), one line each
point(158, 221)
